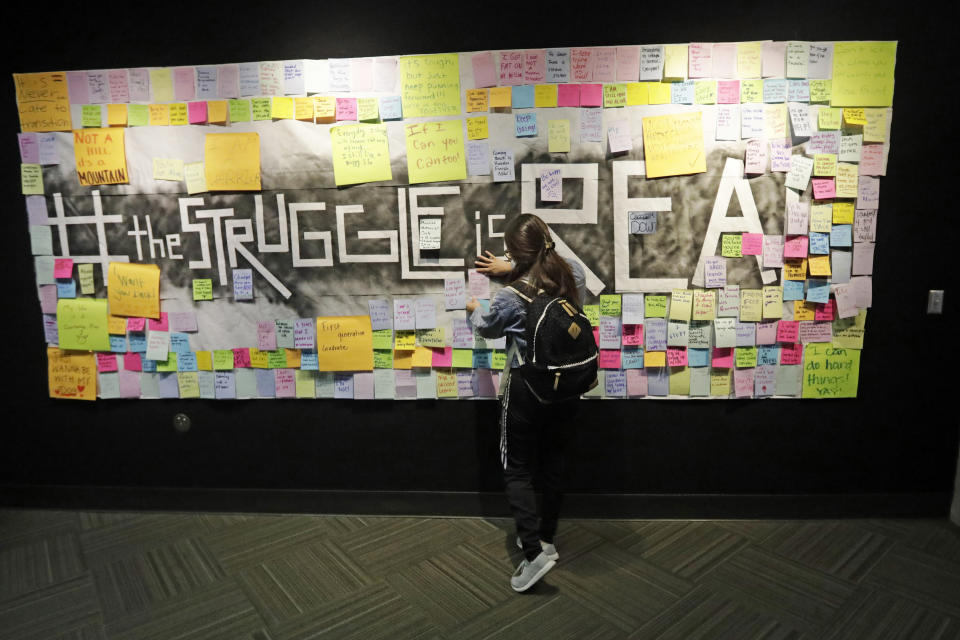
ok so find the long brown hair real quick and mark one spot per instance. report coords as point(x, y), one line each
point(534, 257)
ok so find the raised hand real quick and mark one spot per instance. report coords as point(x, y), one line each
point(491, 265)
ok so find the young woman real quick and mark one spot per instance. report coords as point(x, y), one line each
point(529, 431)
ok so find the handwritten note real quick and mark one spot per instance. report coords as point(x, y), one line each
point(82, 324)
point(361, 154)
point(43, 101)
point(100, 156)
point(435, 151)
point(863, 74)
point(344, 343)
point(232, 161)
point(134, 289)
point(673, 145)
point(430, 85)
point(72, 376)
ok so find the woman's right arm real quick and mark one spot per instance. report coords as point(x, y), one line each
point(503, 313)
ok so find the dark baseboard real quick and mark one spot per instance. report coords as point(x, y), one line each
point(440, 503)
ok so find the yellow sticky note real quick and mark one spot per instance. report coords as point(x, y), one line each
point(795, 269)
point(43, 101)
point(72, 376)
point(804, 311)
point(293, 358)
point(259, 359)
point(430, 85)
point(637, 94)
point(659, 92)
point(116, 325)
point(205, 360)
point(673, 144)
point(705, 92)
point(403, 359)
point(772, 302)
point(281, 108)
point(821, 217)
point(159, 115)
point(751, 305)
point(847, 180)
point(720, 382)
point(100, 156)
point(85, 275)
point(825, 164)
point(614, 95)
point(431, 337)
point(302, 109)
point(875, 129)
point(361, 153)
point(344, 343)
point(161, 84)
point(679, 381)
point(829, 119)
point(179, 114)
point(195, 176)
point(82, 324)
point(863, 73)
point(422, 357)
point(848, 332)
point(545, 96)
point(476, 100)
point(704, 304)
point(500, 97)
point(749, 59)
point(189, 383)
point(306, 383)
point(655, 359)
point(134, 289)
point(820, 91)
point(217, 111)
point(477, 128)
point(325, 108)
point(116, 115)
point(168, 169)
point(405, 340)
point(368, 109)
point(675, 62)
point(751, 91)
point(446, 383)
point(681, 304)
point(819, 265)
point(854, 116)
point(559, 136)
point(775, 121)
point(31, 179)
point(232, 161)
point(843, 212)
point(435, 151)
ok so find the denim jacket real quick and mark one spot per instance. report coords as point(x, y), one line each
point(508, 314)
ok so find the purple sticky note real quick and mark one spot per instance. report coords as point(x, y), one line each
point(77, 86)
point(266, 383)
point(196, 112)
point(37, 210)
point(224, 385)
point(50, 331)
point(304, 333)
point(628, 64)
point(29, 148)
point(168, 385)
point(568, 95)
point(404, 315)
point(636, 382)
point(534, 66)
point(119, 85)
point(591, 95)
point(228, 81)
point(767, 332)
point(48, 298)
point(363, 385)
point(184, 84)
point(343, 386)
point(454, 293)
point(478, 284)
point(183, 321)
point(129, 382)
point(139, 82)
point(605, 64)
point(98, 87)
point(868, 193)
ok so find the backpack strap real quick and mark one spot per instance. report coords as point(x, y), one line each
point(525, 290)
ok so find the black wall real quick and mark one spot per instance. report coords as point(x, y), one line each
point(891, 451)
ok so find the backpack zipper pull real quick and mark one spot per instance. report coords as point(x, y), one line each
point(556, 381)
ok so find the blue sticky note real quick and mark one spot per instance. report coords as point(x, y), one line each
point(179, 343)
point(149, 366)
point(309, 360)
point(775, 90)
point(523, 97)
point(224, 385)
point(615, 384)
point(118, 344)
point(631, 358)
point(381, 314)
point(343, 386)
point(243, 284)
point(138, 341)
point(793, 289)
point(66, 288)
point(391, 108)
point(841, 235)
point(798, 90)
point(655, 330)
point(658, 381)
point(818, 291)
point(768, 354)
point(187, 361)
point(526, 124)
point(483, 359)
point(681, 92)
point(819, 243)
point(266, 383)
point(746, 333)
point(698, 357)
point(169, 386)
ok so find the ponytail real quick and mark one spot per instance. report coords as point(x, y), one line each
point(535, 258)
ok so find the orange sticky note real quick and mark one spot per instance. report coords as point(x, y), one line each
point(655, 359)
point(217, 111)
point(116, 115)
point(303, 109)
point(422, 357)
point(403, 359)
point(476, 100)
point(500, 97)
point(159, 115)
point(72, 375)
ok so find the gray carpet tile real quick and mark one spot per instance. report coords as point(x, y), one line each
point(256, 540)
point(541, 614)
point(391, 545)
point(873, 615)
point(39, 559)
point(928, 580)
point(68, 607)
point(689, 550)
point(133, 536)
point(754, 530)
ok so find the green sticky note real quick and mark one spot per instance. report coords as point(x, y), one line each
point(431, 337)
point(463, 358)
point(610, 305)
point(830, 372)
point(383, 339)
point(731, 246)
point(31, 179)
point(85, 273)
point(170, 364)
point(138, 115)
point(745, 356)
point(223, 360)
point(383, 358)
point(592, 311)
point(239, 111)
point(261, 109)
point(499, 359)
point(92, 116)
point(203, 289)
point(306, 383)
point(655, 306)
point(277, 359)
point(82, 324)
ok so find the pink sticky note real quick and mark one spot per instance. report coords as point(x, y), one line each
point(119, 85)
point(568, 95)
point(788, 331)
point(766, 332)
point(605, 64)
point(795, 247)
point(772, 251)
point(723, 357)
point(131, 362)
point(363, 385)
point(534, 66)
point(636, 382)
point(196, 112)
point(228, 81)
point(628, 64)
point(743, 382)
point(825, 312)
point(484, 74)
point(285, 383)
point(725, 61)
point(63, 268)
point(78, 88)
point(632, 335)
point(478, 284)
point(106, 362)
point(824, 188)
point(596, 335)
point(241, 358)
point(700, 59)
point(751, 244)
point(48, 298)
point(184, 321)
point(774, 59)
point(871, 160)
point(609, 358)
point(756, 157)
point(266, 335)
point(591, 95)
point(444, 357)
point(361, 74)
point(29, 148)
point(728, 92)
point(346, 109)
point(158, 325)
point(129, 384)
point(791, 353)
point(136, 324)
point(581, 65)
point(676, 356)
point(511, 68)
point(184, 84)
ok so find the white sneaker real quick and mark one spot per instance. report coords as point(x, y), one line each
point(548, 549)
point(529, 572)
